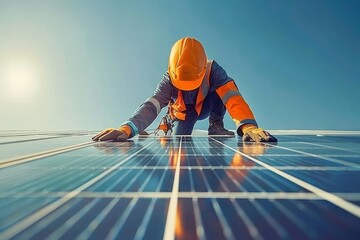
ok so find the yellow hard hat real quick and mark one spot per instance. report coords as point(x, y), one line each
point(187, 64)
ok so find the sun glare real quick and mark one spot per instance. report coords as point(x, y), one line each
point(20, 80)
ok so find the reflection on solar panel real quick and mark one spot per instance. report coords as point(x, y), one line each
point(185, 187)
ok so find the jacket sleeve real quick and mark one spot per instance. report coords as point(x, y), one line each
point(146, 113)
point(226, 88)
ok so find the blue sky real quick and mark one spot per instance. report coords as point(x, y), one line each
point(90, 64)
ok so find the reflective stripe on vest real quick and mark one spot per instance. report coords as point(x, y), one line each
point(178, 108)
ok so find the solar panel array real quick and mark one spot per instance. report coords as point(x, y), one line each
point(62, 186)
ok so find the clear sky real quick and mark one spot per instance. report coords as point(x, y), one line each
point(89, 64)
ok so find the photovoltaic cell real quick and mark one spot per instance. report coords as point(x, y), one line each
point(62, 186)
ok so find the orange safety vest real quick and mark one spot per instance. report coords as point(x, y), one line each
point(178, 108)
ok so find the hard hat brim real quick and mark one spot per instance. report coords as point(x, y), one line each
point(188, 85)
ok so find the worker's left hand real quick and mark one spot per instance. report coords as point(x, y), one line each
point(255, 134)
point(111, 134)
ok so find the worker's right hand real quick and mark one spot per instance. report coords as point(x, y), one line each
point(255, 134)
point(111, 134)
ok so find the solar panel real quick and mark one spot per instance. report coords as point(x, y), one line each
point(62, 186)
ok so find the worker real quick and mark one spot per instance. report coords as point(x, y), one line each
point(195, 88)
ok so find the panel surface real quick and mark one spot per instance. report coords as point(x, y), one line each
point(63, 186)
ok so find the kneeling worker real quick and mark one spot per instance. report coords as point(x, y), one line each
point(195, 88)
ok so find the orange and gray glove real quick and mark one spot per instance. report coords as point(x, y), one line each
point(121, 134)
point(251, 133)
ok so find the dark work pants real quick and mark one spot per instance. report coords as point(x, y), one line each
point(213, 108)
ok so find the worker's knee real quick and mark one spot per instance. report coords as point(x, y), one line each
point(183, 127)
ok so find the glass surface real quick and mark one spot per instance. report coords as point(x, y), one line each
point(211, 187)
point(18, 149)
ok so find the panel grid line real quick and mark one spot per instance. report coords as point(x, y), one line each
point(331, 147)
point(317, 156)
point(184, 187)
point(215, 167)
point(35, 156)
point(249, 195)
point(169, 232)
point(26, 222)
point(31, 140)
point(347, 206)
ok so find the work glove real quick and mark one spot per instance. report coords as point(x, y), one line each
point(121, 134)
point(251, 133)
